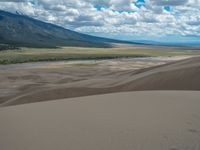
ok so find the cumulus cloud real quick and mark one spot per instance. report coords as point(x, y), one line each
point(133, 17)
point(12, 0)
point(169, 2)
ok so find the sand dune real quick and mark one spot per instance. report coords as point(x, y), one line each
point(181, 75)
point(57, 81)
point(154, 120)
point(140, 120)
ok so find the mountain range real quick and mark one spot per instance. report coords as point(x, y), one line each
point(23, 31)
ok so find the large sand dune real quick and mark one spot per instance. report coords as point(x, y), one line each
point(30, 83)
point(140, 120)
point(158, 120)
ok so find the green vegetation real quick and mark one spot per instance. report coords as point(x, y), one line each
point(7, 47)
point(76, 53)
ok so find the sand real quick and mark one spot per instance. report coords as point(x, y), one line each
point(28, 83)
point(146, 119)
point(151, 120)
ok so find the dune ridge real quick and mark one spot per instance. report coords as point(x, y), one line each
point(146, 120)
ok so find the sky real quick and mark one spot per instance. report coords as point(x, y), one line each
point(173, 21)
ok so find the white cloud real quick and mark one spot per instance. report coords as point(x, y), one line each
point(169, 2)
point(115, 16)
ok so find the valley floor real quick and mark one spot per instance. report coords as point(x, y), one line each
point(141, 119)
point(35, 82)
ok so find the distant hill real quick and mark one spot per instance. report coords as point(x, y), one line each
point(167, 43)
point(20, 30)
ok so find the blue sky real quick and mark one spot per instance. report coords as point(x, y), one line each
point(154, 20)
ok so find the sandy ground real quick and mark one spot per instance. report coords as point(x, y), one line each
point(140, 120)
point(35, 82)
point(153, 120)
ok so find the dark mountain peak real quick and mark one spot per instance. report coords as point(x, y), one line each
point(21, 30)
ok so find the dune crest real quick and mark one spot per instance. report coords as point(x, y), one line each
point(151, 120)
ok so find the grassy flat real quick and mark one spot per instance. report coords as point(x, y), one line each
point(76, 53)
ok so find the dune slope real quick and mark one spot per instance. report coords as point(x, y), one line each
point(52, 84)
point(167, 120)
point(181, 75)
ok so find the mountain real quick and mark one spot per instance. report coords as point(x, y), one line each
point(168, 43)
point(20, 30)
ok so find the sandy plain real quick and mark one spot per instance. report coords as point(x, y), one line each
point(35, 82)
